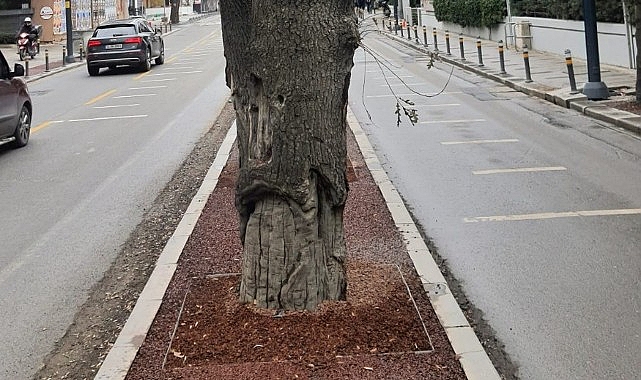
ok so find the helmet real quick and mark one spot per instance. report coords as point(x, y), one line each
point(27, 20)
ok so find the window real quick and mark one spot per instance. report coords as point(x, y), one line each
point(115, 31)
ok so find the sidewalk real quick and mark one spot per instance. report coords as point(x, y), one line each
point(37, 67)
point(548, 73)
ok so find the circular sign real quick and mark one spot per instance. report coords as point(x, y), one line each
point(46, 13)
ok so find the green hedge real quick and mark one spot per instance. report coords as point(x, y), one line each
point(606, 10)
point(470, 12)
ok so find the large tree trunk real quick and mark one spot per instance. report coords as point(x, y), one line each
point(288, 66)
point(174, 14)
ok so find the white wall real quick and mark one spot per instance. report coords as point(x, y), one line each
point(557, 35)
point(552, 36)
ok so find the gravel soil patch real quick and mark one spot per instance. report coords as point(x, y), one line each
point(385, 329)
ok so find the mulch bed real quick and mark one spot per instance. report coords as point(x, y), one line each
point(202, 332)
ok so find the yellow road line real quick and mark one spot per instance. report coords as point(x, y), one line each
point(40, 126)
point(141, 75)
point(196, 43)
point(99, 97)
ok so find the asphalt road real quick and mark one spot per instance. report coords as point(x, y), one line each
point(535, 208)
point(100, 151)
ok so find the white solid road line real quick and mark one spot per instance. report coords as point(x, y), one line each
point(479, 142)
point(146, 88)
point(133, 96)
point(552, 215)
point(452, 121)
point(117, 106)
point(412, 94)
point(520, 170)
point(184, 72)
point(109, 118)
point(158, 80)
point(437, 105)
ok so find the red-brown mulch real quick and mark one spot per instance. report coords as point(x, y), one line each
point(377, 333)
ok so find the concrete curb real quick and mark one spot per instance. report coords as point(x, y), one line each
point(122, 354)
point(472, 356)
point(561, 97)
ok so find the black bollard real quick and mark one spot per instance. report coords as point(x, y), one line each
point(447, 42)
point(415, 33)
point(82, 53)
point(402, 27)
point(526, 61)
point(425, 34)
point(460, 44)
point(26, 67)
point(435, 39)
point(479, 51)
point(502, 57)
point(64, 56)
point(568, 62)
point(409, 32)
point(46, 60)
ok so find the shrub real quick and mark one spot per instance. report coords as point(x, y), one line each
point(470, 12)
point(606, 10)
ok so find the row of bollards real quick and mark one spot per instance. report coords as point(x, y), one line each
point(526, 56)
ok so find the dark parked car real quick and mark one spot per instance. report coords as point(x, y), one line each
point(130, 42)
point(15, 105)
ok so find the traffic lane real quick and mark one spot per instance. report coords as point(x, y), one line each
point(444, 192)
point(90, 137)
point(99, 208)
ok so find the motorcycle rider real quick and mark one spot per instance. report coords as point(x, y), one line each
point(27, 27)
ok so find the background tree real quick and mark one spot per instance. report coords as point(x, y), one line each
point(288, 66)
point(174, 14)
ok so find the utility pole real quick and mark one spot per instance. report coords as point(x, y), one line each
point(69, 57)
point(594, 89)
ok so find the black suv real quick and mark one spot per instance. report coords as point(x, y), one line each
point(130, 42)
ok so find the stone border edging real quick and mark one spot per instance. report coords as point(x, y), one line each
point(472, 356)
point(123, 352)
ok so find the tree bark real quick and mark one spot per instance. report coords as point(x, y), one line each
point(288, 66)
point(174, 14)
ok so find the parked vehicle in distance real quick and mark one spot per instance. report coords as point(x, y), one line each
point(15, 105)
point(130, 42)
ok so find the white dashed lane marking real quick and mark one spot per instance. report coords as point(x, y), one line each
point(479, 142)
point(519, 170)
point(552, 215)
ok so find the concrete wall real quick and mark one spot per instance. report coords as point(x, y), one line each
point(550, 35)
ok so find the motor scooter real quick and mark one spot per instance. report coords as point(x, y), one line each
point(27, 47)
